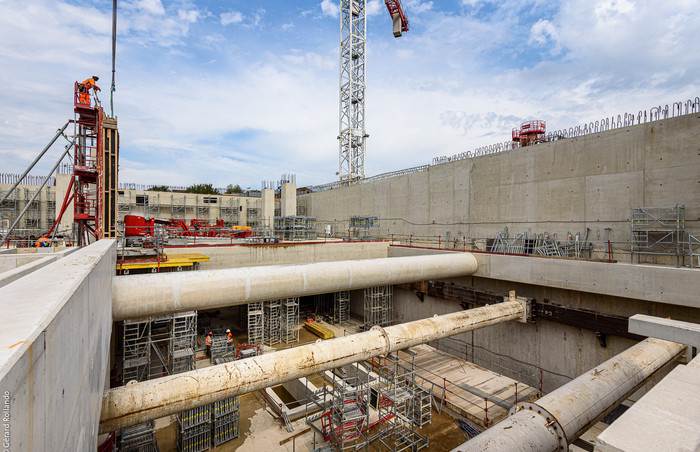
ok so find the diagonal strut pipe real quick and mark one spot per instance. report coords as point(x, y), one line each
point(153, 399)
point(141, 296)
point(562, 416)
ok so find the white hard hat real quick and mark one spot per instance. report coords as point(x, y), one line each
point(228, 331)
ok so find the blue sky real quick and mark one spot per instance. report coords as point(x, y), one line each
point(242, 91)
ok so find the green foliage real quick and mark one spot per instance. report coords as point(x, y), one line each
point(230, 189)
point(159, 188)
point(202, 189)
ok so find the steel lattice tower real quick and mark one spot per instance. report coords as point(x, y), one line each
point(353, 47)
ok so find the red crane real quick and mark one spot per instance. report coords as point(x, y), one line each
point(397, 15)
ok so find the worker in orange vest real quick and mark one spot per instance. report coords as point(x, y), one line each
point(207, 342)
point(85, 87)
point(229, 340)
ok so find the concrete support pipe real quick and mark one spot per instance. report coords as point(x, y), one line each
point(140, 296)
point(148, 400)
point(562, 416)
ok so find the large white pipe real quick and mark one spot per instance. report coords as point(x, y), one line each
point(140, 296)
point(562, 416)
point(153, 399)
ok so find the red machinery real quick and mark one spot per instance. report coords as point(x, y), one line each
point(138, 226)
point(530, 132)
point(397, 15)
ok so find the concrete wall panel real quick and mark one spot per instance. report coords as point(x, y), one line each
point(56, 328)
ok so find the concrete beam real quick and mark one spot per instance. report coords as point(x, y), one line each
point(141, 296)
point(655, 283)
point(556, 420)
point(153, 399)
point(670, 330)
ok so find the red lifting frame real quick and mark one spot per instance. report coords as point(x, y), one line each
point(394, 7)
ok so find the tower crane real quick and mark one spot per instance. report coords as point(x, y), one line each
point(352, 135)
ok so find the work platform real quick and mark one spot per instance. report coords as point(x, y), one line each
point(464, 387)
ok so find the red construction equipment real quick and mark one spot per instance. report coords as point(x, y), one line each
point(530, 132)
point(397, 15)
point(138, 226)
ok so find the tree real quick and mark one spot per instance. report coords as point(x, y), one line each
point(230, 189)
point(202, 189)
point(159, 188)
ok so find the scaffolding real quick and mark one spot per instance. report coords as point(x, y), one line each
point(349, 413)
point(253, 214)
point(194, 429)
point(139, 438)
point(341, 306)
point(396, 405)
point(50, 209)
point(32, 217)
point(658, 231)
point(273, 326)
point(289, 320)
point(219, 347)
point(9, 208)
point(136, 350)
point(296, 228)
point(158, 346)
point(152, 206)
point(229, 212)
point(125, 204)
point(379, 306)
point(363, 227)
point(202, 211)
point(183, 343)
point(256, 323)
point(225, 415)
point(178, 207)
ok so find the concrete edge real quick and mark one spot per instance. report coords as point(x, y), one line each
point(23, 270)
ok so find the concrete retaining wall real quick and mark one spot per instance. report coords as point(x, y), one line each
point(281, 254)
point(55, 330)
point(563, 352)
point(558, 187)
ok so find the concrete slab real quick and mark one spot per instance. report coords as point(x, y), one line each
point(670, 410)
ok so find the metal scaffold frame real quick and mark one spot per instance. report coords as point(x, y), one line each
point(658, 231)
point(352, 135)
point(349, 413)
point(341, 306)
point(229, 213)
point(225, 419)
point(273, 325)
point(253, 214)
point(178, 207)
point(256, 323)
point(136, 350)
point(396, 404)
point(152, 206)
point(379, 306)
point(139, 438)
point(289, 321)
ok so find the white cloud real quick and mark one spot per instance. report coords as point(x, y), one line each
point(151, 6)
point(330, 8)
point(231, 17)
point(190, 16)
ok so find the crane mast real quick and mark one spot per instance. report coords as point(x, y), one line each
point(352, 135)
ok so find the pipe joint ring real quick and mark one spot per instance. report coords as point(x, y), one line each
point(387, 341)
point(551, 422)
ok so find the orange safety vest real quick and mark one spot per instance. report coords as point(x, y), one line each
point(230, 338)
point(208, 341)
point(90, 83)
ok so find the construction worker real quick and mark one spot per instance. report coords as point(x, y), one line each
point(207, 342)
point(85, 87)
point(43, 242)
point(229, 340)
